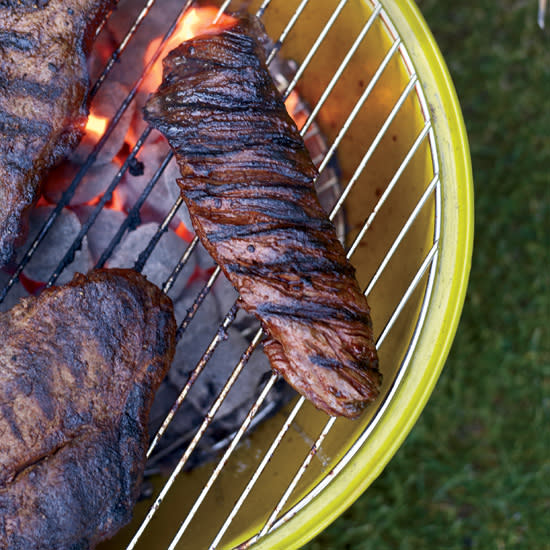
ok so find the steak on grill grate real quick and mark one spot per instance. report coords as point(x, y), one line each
point(79, 366)
point(247, 180)
point(43, 88)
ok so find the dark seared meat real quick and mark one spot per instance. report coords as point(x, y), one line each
point(247, 180)
point(43, 88)
point(79, 366)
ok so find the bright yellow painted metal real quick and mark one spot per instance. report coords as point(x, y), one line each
point(444, 308)
point(446, 302)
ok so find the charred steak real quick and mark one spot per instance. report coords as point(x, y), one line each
point(79, 366)
point(247, 180)
point(43, 88)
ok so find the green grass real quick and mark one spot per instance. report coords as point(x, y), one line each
point(475, 471)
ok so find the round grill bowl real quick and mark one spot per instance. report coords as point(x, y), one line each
point(405, 160)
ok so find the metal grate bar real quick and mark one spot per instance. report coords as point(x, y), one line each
point(430, 258)
point(226, 323)
point(67, 195)
point(338, 73)
point(292, 485)
point(410, 220)
point(180, 265)
point(373, 146)
point(262, 8)
point(320, 39)
point(163, 227)
point(223, 461)
point(133, 215)
point(258, 472)
point(115, 56)
point(222, 9)
point(203, 427)
point(191, 312)
point(286, 30)
point(358, 105)
point(106, 197)
point(390, 187)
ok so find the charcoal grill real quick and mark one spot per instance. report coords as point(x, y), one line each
point(378, 88)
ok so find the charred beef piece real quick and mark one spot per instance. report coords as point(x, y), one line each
point(43, 88)
point(79, 366)
point(247, 180)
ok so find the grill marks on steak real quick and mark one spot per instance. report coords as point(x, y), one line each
point(247, 180)
point(79, 366)
point(43, 88)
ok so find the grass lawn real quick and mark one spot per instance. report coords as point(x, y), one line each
point(475, 471)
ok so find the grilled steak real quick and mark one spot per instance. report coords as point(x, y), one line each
point(247, 180)
point(43, 87)
point(79, 366)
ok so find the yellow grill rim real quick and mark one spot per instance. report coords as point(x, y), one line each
point(456, 244)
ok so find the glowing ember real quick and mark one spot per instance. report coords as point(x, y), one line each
point(96, 125)
point(116, 202)
point(196, 21)
point(295, 109)
point(184, 233)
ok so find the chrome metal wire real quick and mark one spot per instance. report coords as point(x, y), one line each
point(432, 191)
point(427, 194)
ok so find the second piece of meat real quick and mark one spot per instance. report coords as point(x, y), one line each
point(79, 366)
point(248, 182)
point(43, 87)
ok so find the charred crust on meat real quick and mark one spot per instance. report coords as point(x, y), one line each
point(79, 366)
point(17, 40)
point(43, 98)
point(248, 182)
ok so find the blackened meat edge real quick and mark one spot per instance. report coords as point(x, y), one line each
point(248, 182)
point(79, 366)
point(44, 46)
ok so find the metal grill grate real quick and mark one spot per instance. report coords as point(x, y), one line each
point(290, 500)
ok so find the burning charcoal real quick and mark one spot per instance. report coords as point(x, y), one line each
point(162, 261)
point(54, 246)
point(198, 335)
point(153, 26)
point(225, 293)
point(172, 191)
point(103, 230)
point(196, 339)
point(158, 204)
point(95, 182)
point(106, 103)
point(14, 295)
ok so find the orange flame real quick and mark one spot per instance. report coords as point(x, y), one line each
point(295, 109)
point(116, 202)
point(96, 125)
point(183, 233)
point(196, 21)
